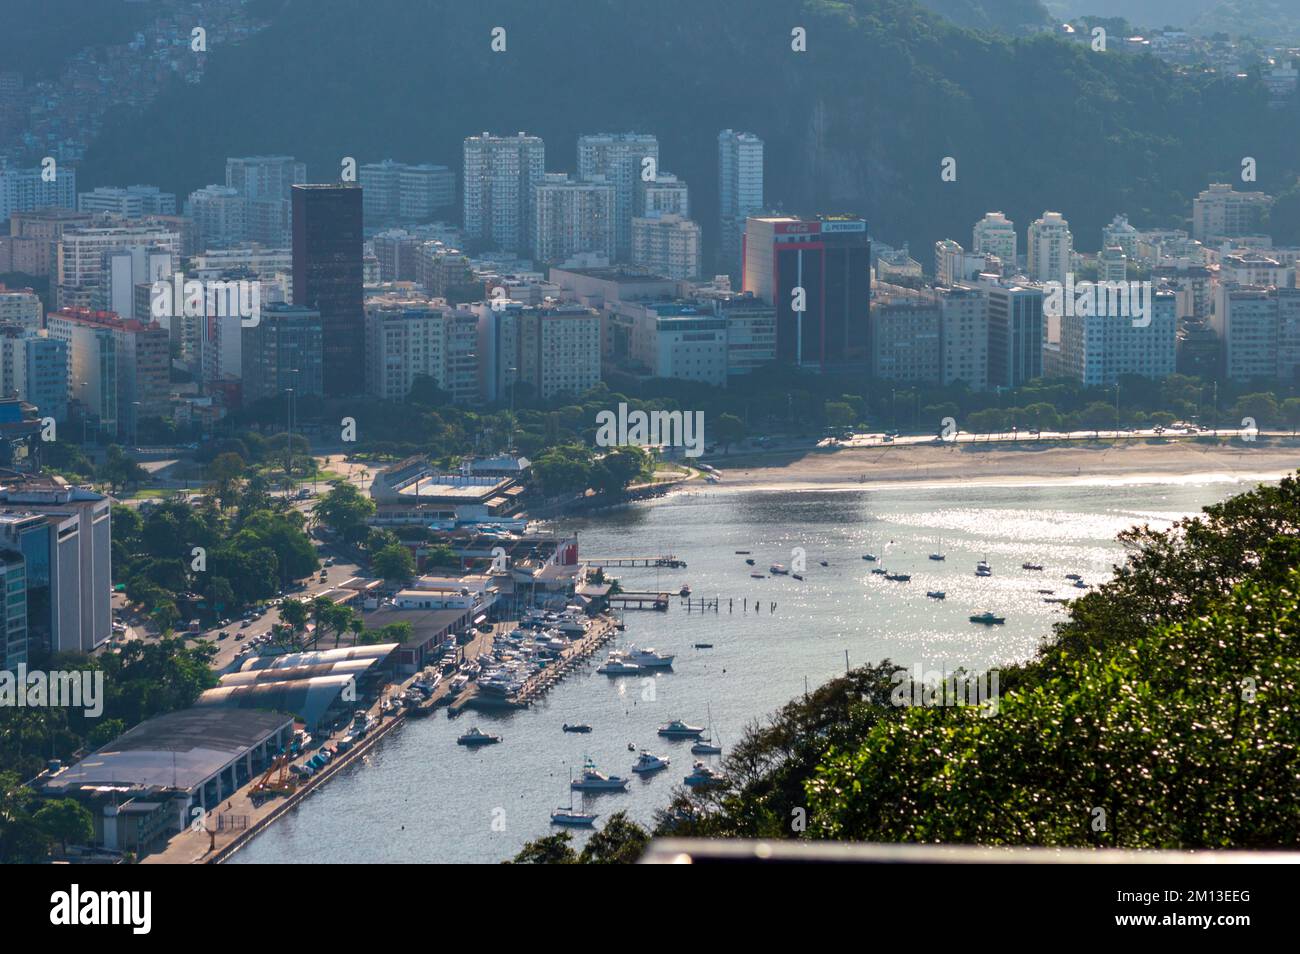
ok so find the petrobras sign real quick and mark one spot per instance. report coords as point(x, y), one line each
point(856, 225)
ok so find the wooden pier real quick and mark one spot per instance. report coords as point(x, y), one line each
point(640, 601)
point(668, 560)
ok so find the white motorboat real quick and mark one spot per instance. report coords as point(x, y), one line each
point(649, 763)
point(593, 780)
point(702, 776)
point(648, 658)
point(677, 729)
point(618, 665)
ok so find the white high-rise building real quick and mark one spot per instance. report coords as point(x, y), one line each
point(667, 244)
point(572, 217)
point(740, 192)
point(995, 234)
point(559, 349)
point(1051, 246)
point(499, 175)
point(964, 336)
point(405, 338)
point(1096, 350)
point(1259, 330)
point(20, 306)
point(621, 160)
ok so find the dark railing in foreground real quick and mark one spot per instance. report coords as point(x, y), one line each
point(670, 851)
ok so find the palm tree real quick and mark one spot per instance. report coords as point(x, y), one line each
point(357, 628)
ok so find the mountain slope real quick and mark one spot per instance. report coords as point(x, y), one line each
point(859, 123)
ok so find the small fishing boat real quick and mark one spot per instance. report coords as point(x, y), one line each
point(869, 557)
point(750, 561)
point(936, 594)
point(988, 619)
point(1031, 566)
point(703, 645)
point(898, 577)
point(1073, 576)
point(778, 569)
point(1048, 592)
point(796, 576)
point(744, 552)
point(580, 727)
point(1079, 584)
point(758, 576)
point(825, 562)
point(879, 571)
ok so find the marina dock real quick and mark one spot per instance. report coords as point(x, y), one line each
point(667, 560)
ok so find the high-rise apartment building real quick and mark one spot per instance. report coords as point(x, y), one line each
point(572, 217)
point(499, 175)
point(34, 368)
point(1220, 212)
point(559, 349)
point(328, 277)
point(1051, 246)
point(664, 193)
point(667, 244)
point(622, 160)
point(13, 612)
point(397, 192)
point(220, 216)
point(740, 193)
point(964, 335)
point(118, 369)
point(817, 274)
point(405, 338)
point(23, 190)
point(1096, 350)
point(995, 234)
point(282, 351)
point(1016, 333)
point(133, 202)
point(1259, 331)
point(84, 264)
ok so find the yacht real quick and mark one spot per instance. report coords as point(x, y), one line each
point(705, 747)
point(474, 738)
point(982, 568)
point(869, 557)
point(596, 781)
point(648, 764)
point(648, 658)
point(936, 594)
point(573, 626)
point(618, 665)
point(677, 729)
point(777, 569)
point(573, 818)
point(702, 776)
point(988, 619)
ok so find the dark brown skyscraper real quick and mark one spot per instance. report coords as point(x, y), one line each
point(327, 277)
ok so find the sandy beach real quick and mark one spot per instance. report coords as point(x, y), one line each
point(1008, 464)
